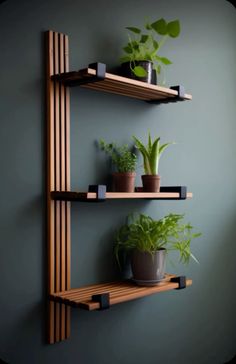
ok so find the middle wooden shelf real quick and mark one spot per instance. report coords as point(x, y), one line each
point(92, 196)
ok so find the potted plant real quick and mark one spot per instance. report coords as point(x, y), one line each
point(151, 156)
point(125, 162)
point(147, 242)
point(142, 50)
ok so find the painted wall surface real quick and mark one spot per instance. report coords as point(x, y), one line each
point(196, 325)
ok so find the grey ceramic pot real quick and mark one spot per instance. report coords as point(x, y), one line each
point(148, 269)
point(147, 65)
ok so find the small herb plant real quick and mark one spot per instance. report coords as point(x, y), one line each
point(122, 157)
point(151, 154)
point(145, 45)
point(148, 235)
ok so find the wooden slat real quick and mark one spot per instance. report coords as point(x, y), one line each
point(58, 178)
point(50, 181)
point(73, 196)
point(119, 292)
point(67, 185)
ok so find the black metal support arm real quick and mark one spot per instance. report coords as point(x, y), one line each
point(179, 97)
point(103, 299)
point(181, 280)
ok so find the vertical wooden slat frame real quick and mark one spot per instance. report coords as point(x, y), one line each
point(58, 173)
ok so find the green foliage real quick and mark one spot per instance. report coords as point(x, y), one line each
point(148, 235)
point(151, 153)
point(145, 46)
point(122, 157)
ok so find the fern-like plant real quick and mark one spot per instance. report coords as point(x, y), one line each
point(151, 154)
point(148, 235)
point(122, 157)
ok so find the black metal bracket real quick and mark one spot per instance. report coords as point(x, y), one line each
point(233, 2)
point(182, 190)
point(100, 190)
point(103, 299)
point(181, 280)
point(73, 78)
point(179, 97)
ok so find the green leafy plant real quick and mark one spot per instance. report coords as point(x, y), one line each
point(148, 235)
point(151, 153)
point(122, 157)
point(145, 45)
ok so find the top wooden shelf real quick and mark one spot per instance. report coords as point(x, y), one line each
point(98, 79)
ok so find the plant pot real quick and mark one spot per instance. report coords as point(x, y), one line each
point(124, 182)
point(127, 72)
point(151, 183)
point(148, 269)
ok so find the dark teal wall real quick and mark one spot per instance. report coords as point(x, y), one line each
point(194, 326)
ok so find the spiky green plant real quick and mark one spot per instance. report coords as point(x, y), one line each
point(122, 157)
point(151, 153)
point(148, 235)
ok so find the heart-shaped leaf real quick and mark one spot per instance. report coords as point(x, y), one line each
point(165, 60)
point(173, 28)
point(160, 26)
point(144, 38)
point(139, 71)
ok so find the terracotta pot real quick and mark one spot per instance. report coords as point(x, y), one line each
point(124, 182)
point(151, 183)
point(148, 269)
point(147, 65)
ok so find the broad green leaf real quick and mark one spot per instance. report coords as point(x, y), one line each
point(139, 71)
point(154, 156)
point(134, 30)
point(160, 26)
point(155, 45)
point(165, 61)
point(128, 49)
point(144, 38)
point(173, 28)
point(149, 143)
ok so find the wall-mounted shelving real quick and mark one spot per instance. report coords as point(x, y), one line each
point(101, 296)
point(98, 79)
point(59, 195)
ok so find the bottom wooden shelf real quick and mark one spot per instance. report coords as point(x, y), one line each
point(118, 292)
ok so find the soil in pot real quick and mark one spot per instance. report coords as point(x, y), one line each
point(148, 269)
point(127, 72)
point(124, 182)
point(151, 183)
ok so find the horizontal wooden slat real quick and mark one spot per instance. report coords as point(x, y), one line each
point(119, 292)
point(81, 196)
point(119, 85)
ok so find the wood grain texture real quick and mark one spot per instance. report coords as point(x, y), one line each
point(80, 196)
point(58, 169)
point(119, 292)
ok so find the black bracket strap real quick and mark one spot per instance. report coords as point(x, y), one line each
point(181, 280)
point(100, 190)
point(182, 190)
point(103, 299)
point(179, 97)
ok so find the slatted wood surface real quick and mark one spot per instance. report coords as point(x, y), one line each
point(58, 159)
point(119, 85)
point(119, 292)
point(83, 196)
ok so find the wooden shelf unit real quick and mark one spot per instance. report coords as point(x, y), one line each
point(92, 196)
point(120, 85)
point(58, 184)
point(118, 292)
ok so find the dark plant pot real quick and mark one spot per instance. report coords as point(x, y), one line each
point(124, 182)
point(127, 72)
point(151, 183)
point(148, 269)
